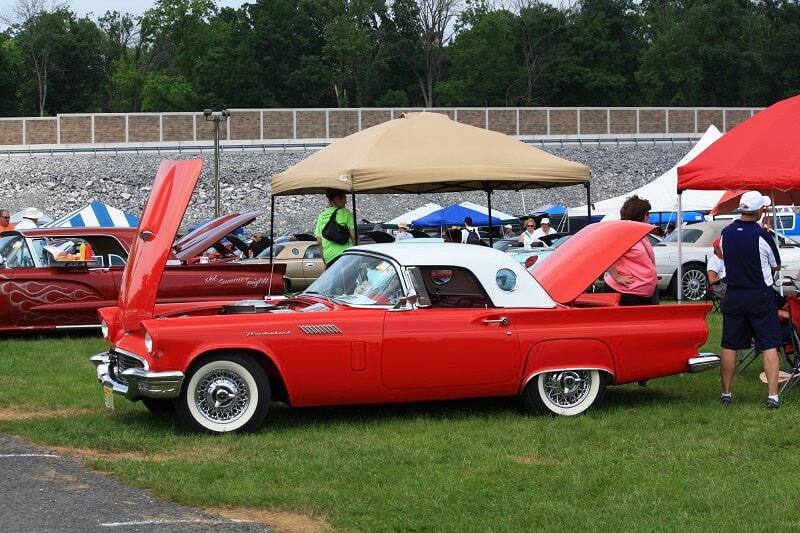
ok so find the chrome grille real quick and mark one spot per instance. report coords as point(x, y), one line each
point(320, 329)
point(121, 362)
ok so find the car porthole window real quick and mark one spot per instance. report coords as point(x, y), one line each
point(506, 279)
point(441, 276)
point(295, 251)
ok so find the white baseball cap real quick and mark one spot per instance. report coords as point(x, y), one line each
point(752, 201)
point(545, 220)
point(508, 226)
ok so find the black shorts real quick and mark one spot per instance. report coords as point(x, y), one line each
point(750, 315)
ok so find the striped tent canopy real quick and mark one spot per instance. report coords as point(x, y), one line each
point(95, 215)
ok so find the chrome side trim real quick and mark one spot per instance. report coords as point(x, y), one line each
point(85, 326)
point(320, 329)
point(141, 384)
point(703, 361)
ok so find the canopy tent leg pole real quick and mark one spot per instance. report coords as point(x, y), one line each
point(775, 232)
point(588, 203)
point(355, 218)
point(489, 196)
point(678, 224)
point(271, 225)
point(271, 243)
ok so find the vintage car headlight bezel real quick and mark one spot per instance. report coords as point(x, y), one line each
point(148, 342)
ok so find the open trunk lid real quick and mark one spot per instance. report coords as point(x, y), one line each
point(575, 265)
point(162, 215)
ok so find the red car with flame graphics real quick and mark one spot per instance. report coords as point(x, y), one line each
point(38, 292)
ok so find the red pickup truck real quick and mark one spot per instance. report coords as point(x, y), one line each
point(38, 292)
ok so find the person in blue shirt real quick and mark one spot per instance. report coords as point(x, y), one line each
point(749, 310)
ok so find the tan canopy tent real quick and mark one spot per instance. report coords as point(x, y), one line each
point(426, 153)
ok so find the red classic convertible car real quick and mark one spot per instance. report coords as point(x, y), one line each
point(39, 292)
point(389, 323)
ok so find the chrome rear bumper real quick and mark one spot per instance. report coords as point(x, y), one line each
point(703, 361)
point(139, 383)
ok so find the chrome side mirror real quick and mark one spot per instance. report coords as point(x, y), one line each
point(406, 303)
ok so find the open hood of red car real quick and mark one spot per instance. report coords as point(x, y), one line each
point(206, 235)
point(573, 266)
point(151, 247)
point(211, 224)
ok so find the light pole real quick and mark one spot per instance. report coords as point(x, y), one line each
point(217, 117)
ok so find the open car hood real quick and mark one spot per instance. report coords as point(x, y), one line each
point(573, 266)
point(192, 235)
point(162, 215)
point(208, 234)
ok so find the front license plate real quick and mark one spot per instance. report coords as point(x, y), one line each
point(108, 396)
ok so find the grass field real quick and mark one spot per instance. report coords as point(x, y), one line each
point(663, 457)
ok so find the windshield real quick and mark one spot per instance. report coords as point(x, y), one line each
point(689, 235)
point(359, 280)
point(14, 252)
point(265, 252)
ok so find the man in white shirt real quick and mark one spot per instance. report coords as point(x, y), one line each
point(403, 233)
point(544, 229)
point(716, 271)
point(469, 235)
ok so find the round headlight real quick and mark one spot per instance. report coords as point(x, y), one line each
point(104, 329)
point(148, 342)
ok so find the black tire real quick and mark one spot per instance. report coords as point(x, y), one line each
point(239, 387)
point(695, 282)
point(287, 285)
point(586, 389)
point(159, 407)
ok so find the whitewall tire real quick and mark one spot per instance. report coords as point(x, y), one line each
point(227, 393)
point(565, 392)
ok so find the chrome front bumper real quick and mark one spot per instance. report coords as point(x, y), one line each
point(140, 383)
point(703, 361)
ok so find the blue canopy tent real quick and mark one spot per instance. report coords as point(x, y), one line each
point(95, 215)
point(663, 217)
point(550, 210)
point(453, 215)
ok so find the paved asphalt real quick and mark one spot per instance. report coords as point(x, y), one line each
point(41, 491)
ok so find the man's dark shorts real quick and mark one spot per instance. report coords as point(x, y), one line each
point(749, 314)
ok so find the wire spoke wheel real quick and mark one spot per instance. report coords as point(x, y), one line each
point(565, 392)
point(567, 389)
point(225, 393)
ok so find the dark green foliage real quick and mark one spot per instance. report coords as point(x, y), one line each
point(189, 54)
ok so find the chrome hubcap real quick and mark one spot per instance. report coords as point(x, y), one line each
point(222, 396)
point(694, 285)
point(567, 388)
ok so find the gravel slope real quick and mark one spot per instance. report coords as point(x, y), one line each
point(59, 184)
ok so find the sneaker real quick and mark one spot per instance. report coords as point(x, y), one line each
point(725, 399)
point(773, 404)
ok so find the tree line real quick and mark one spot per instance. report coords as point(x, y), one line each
point(186, 55)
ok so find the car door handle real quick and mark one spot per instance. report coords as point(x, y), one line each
point(503, 320)
point(310, 265)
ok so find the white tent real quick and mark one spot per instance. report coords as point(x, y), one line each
point(662, 192)
point(414, 214)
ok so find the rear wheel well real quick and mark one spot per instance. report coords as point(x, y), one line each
point(278, 386)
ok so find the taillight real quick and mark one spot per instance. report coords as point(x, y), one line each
point(530, 261)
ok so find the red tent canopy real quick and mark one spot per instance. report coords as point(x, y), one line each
point(761, 153)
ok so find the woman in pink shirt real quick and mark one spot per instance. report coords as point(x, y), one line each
point(634, 274)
